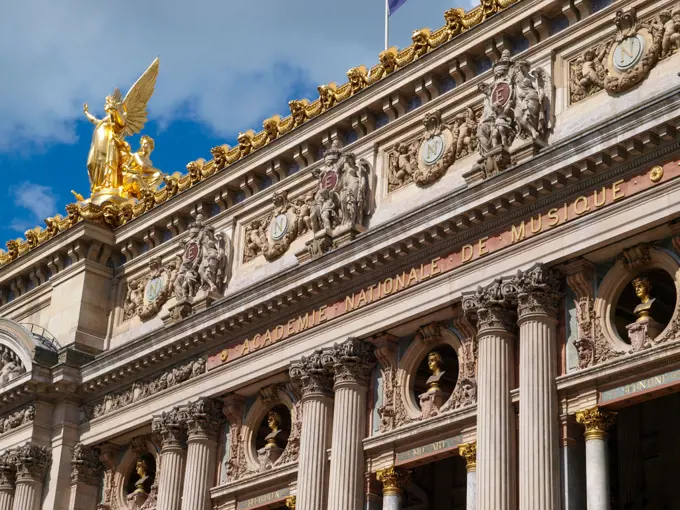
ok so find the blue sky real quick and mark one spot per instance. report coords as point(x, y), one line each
point(225, 66)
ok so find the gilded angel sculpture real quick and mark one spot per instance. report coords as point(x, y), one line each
point(114, 171)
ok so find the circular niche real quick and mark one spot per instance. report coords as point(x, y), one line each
point(284, 426)
point(449, 366)
point(147, 463)
point(664, 294)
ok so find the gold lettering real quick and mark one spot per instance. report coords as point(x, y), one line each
point(303, 323)
point(553, 217)
point(387, 292)
point(434, 269)
point(481, 246)
point(268, 338)
point(322, 314)
point(278, 332)
point(423, 276)
point(585, 208)
point(290, 327)
point(256, 341)
point(566, 212)
point(412, 276)
point(596, 198)
point(371, 297)
point(400, 282)
point(537, 229)
point(518, 234)
point(617, 192)
point(246, 348)
point(349, 303)
point(466, 253)
point(362, 298)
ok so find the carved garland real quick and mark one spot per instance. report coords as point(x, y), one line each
point(141, 390)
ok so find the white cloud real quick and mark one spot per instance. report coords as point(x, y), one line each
point(234, 62)
point(38, 200)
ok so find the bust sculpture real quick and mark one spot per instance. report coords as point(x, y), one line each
point(143, 485)
point(643, 288)
point(274, 424)
point(435, 363)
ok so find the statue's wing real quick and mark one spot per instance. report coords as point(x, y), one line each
point(137, 98)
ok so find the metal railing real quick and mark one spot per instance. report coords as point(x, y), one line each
point(43, 336)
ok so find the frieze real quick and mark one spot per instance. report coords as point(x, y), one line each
point(640, 387)
point(264, 499)
point(140, 390)
point(427, 159)
point(626, 59)
point(17, 419)
point(515, 233)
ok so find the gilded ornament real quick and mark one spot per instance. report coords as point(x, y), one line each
point(271, 128)
point(596, 422)
point(328, 96)
point(358, 79)
point(245, 143)
point(643, 289)
point(656, 174)
point(468, 451)
point(298, 111)
point(394, 480)
point(219, 154)
point(290, 502)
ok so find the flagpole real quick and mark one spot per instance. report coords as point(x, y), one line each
point(387, 23)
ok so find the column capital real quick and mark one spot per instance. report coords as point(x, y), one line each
point(493, 307)
point(204, 418)
point(352, 361)
point(312, 374)
point(290, 502)
point(596, 422)
point(7, 469)
point(85, 465)
point(170, 427)
point(538, 292)
point(469, 452)
point(394, 480)
point(32, 462)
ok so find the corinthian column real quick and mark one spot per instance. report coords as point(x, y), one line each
point(7, 474)
point(539, 455)
point(469, 452)
point(596, 423)
point(170, 429)
point(204, 418)
point(86, 473)
point(394, 480)
point(312, 375)
point(353, 361)
point(496, 324)
point(31, 465)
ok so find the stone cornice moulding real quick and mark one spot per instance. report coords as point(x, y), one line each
point(433, 294)
point(280, 476)
point(484, 193)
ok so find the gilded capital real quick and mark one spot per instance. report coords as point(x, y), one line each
point(469, 452)
point(394, 480)
point(204, 419)
point(170, 427)
point(538, 292)
point(290, 502)
point(596, 422)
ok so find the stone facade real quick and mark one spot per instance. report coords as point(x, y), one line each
point(477, 270)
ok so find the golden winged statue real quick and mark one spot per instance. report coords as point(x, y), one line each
point(117, 174)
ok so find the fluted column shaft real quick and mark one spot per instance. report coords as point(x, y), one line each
point(596, 423)
point(31, 465)
point(313, 377)
point(6, 498)
point(169, 428)
point(495, 421)
point(315, 439)
point(353, 362)
point(7, 469)
point(539, 453)
point(27, 495)
point(203, 424)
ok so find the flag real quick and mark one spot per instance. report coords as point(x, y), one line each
point(393, 5)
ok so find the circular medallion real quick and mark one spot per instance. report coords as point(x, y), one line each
point(656, 174)
point(279, 227)
point(500, 94)
point(432, 150)
point(628, 52)
point(154, 289)
point(329, 180)
point(191, 251)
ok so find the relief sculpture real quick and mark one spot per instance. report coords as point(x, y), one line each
point(626, 59)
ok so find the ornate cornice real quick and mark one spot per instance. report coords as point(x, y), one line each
point(353, 361)
point(86, 466)
point(204, 419)
point(394, 480)
point(170, 427)
point(596, 422)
